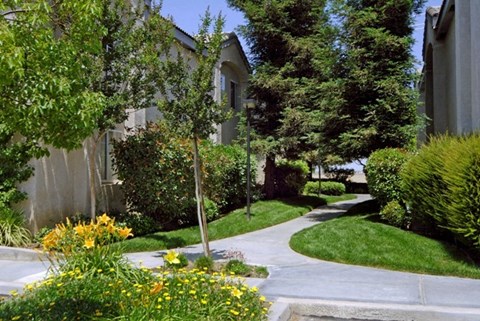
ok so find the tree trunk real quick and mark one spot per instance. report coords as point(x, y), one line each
point(91, 176)
point(269, 184)
point(202, 219)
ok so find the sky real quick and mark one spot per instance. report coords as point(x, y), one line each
point(186, 14)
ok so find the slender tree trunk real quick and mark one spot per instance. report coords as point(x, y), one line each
point(269, 184)
point(202, 219)
point(92, 166)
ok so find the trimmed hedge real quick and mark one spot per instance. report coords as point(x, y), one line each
point(327, 188)
point(383, 174)
point(443, 182)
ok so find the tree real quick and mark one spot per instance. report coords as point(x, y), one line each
point(188, 104)
point(47, 61)
point(133, 46)
point(291, 47)
point(372, 102)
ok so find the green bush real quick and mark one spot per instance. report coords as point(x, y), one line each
point(139, 223)
point(383, 174)
point(394, 214)
point(443, 182)
point(237, 267)
point(12, 228)
point(204, 263)
point(156, 168)
point(211, 210)
point(423, 184)
point(290, 177)
point(327, 188)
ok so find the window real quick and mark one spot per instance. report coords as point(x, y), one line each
point(233, 95)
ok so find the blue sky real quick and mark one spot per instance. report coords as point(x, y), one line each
point(186, 14)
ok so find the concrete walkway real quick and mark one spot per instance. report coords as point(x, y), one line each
point(296, 279)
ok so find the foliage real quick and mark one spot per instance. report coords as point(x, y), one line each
point(138, 222)
point(332, 188)
point(204, 263)
point(155, 166)
point(362, 240)
point(264, 214)
point(12, 228)
point(86, 247)
point(290, 177)
point(339, 174)
point(371, 103)
point(383, 174)
point(326, 188)
point(225, 169)
point(291, 47)
point(48, 62)
point(442, 182)
point(394, 214)
point(237, 267)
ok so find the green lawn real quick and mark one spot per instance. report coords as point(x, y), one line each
point(360, 239)
point(263, 214)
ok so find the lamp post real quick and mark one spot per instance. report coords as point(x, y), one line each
point(248, 104)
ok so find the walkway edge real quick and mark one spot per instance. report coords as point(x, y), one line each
point(369, 311)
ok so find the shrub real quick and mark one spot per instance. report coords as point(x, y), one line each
point(327, 188)
point(139, 223)
point(423, 184)
point(12, 228)
point(156, 169)
point(290, 177)
point(383, 174)
point(211, 210)
point(394, 214)
point(204, 263)
point(237, 267)
point(442, 182)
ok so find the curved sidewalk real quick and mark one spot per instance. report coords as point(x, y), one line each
point(296, 279)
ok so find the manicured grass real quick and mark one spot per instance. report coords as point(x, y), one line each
point(263, 214)
point(360, 239)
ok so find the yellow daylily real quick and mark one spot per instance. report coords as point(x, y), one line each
point(171, 257)
point(125, 232)
point(237, 293)
point(89, 243)
point(104, 219)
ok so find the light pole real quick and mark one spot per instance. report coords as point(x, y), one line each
point(249, 104)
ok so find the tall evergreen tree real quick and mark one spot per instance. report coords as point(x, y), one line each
point(291, 47)
point(372, 104)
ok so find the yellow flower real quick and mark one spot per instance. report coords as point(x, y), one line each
point(234, 312)
point(104, 219)
point(262, 298)
point(237, 293)
point(80, 229)
point(171, 257)
point(89, 243)
point(125, 232)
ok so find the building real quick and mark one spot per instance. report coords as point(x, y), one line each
point(450, 83)
point(60, 184)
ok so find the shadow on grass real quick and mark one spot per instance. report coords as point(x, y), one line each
point(168, 241)
point(307, 201)
point(367, 207)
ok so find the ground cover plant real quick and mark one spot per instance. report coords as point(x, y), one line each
point(360, 238)
point(85, 289)
point(263, 214)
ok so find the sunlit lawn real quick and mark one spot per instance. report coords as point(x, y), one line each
point(263, 214)
point(362, 240)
